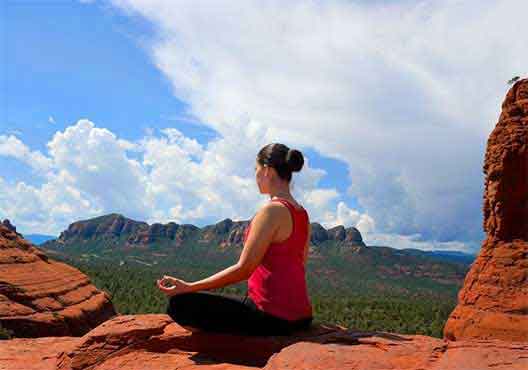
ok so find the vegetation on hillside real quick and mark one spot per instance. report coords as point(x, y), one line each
point(409, 306)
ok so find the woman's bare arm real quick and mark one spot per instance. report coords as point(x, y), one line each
point(263, 229)
point(259, 238)
point(232, 274)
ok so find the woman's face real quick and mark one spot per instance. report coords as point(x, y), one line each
point(262, 176)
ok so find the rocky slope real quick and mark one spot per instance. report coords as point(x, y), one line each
point(494, 300)
point(43, 297)
point(154, 341)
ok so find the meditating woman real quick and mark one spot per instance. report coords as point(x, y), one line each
point(273, 261)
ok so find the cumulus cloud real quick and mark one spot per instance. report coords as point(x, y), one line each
point(13, 147)
point(404, 93)
point(98, 165)
point(159, 178)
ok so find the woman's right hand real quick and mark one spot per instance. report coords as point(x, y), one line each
point(177, 286)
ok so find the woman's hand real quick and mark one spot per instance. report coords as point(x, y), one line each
point(178, 286)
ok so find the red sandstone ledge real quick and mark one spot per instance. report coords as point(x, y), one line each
point(154, 341)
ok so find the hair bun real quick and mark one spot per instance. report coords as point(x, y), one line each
point(295, 160)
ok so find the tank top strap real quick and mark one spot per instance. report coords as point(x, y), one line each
point(293, 214)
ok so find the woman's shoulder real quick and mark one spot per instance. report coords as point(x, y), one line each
point(278, 210)
point(270, 212)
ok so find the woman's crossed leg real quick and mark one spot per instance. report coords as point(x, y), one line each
point(207, 311)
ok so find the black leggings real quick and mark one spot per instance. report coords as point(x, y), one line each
point(228, 314)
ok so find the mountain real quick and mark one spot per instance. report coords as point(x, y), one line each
point(448, 256)
point(117, 231)
point(454, 256)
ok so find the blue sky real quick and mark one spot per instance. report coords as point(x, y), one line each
point(393, 132)
point(75, 70)
point(85, 61)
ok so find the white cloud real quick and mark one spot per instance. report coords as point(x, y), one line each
point(51, 120)
point(320, 197)
point(347, 217)
point(11, 146)
point(176, 178)
point(404, 93)
point(97, 161)
point(46, 209)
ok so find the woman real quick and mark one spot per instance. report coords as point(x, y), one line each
point(273, 260)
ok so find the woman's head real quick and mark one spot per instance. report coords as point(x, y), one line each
point(275, 164)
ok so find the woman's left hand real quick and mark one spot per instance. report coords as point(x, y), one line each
point(178, 286)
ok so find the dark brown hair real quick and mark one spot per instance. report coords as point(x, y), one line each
point(283, 159)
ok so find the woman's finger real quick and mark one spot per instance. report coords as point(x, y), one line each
point(160, 284)
point(166, 289)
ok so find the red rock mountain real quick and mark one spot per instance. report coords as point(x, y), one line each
point(493, 302)
point(43, 297)
point(123, 232)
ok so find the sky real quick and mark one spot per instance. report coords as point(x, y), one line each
point(156, 109)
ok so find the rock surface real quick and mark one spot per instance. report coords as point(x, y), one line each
point(43, 297)
point(493, 302)
point(154, 341)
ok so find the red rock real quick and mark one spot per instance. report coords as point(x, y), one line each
point(493, 303)
point(381, 351)
point(159, 335)
point(34, 353)
point(43, 297)
point(154, 341)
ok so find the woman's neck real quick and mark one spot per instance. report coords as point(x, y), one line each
point(279, 194)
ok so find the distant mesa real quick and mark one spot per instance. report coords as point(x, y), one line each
point(43, 297)
point(493, 302)
point(116, 229)
point(349, 236)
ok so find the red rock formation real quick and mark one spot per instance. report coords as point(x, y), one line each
point(493, 302)
point(154, 341)
point(43, 297)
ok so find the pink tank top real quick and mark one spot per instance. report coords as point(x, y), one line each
point(278, 284)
